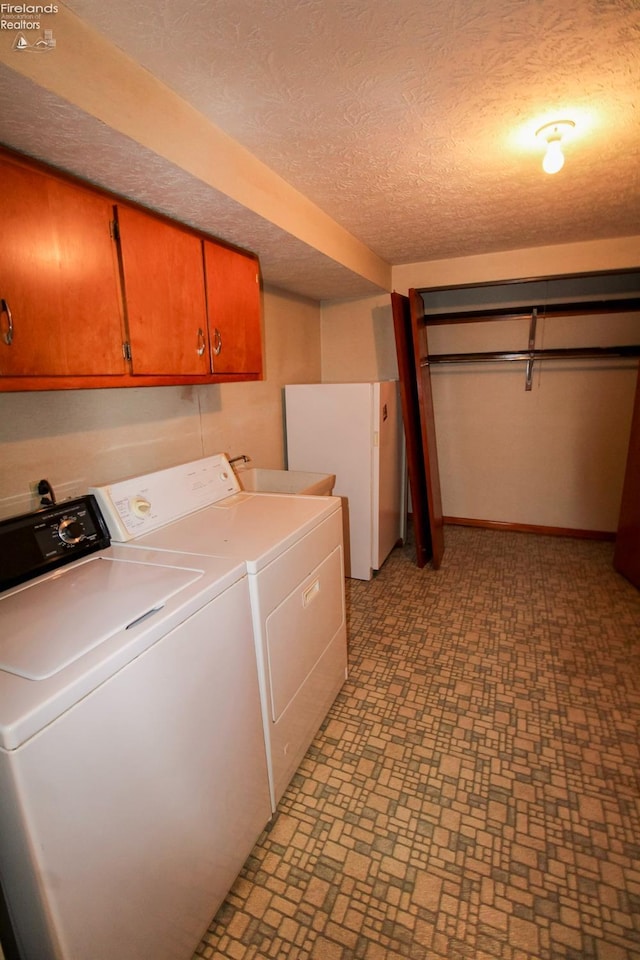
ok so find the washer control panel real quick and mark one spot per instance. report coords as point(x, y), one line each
point(34, 543)
point(138, 505)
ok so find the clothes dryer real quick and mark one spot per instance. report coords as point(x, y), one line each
point(293, 550)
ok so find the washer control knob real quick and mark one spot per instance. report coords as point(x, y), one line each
point(141, 506)
point(224, 475)
point(70, 530)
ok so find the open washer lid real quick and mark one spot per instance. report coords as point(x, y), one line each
point(48, 624)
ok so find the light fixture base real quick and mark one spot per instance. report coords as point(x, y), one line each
point(555, 130)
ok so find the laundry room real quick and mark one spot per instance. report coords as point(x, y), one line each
point(462, 779)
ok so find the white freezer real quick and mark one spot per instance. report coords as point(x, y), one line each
point(354, 430)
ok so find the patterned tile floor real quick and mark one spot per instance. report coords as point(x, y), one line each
point(474, 793)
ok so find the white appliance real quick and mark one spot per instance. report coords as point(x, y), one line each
point(292, 547)
point(133, 774)
point(354, 430)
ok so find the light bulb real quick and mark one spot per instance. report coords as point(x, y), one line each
point(554, 157)
point(551, 134)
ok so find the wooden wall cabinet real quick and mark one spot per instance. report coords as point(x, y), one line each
point(97, 292)
point(164, 295)
point(61, 305)
point(234, 310)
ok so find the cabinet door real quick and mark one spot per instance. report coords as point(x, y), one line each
point(61, 303)
point(164, 295)
point(233, 305)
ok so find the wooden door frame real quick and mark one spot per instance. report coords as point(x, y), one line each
point(419, 425)
point(626, 557)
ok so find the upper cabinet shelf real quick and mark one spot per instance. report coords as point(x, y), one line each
point(97, 292)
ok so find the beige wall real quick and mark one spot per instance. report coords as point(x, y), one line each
point(80, 437)
point(358, 341)
point(554, 456)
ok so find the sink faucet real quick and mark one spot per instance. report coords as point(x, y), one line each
point(243, 458)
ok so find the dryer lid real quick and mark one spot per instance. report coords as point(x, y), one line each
point(49, 623)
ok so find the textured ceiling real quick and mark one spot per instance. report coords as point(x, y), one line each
point(409, 122)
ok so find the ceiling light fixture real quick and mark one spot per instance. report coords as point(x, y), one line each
point(553, 133)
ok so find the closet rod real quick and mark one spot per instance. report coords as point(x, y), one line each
point(561, 353)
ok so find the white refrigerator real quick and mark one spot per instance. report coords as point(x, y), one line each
point(354, 430)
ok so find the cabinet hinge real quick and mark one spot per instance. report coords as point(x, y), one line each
point(126, 350)
point(114, 230)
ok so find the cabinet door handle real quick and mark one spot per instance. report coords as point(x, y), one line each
point(7, 336)
point(217, 342)
point(201, 342)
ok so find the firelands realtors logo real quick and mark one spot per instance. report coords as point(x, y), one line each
point(24, 19)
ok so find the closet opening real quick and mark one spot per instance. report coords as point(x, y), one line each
point(519, 399)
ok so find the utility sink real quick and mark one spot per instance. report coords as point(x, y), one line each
point(260, 480)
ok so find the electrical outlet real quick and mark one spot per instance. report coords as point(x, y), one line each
point(29, 501)
point(62, 491)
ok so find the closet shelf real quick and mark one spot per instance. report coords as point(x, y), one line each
point(573, 309)
point(561, 353)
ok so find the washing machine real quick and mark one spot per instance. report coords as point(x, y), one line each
point(133, 772)
point(293, 550)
